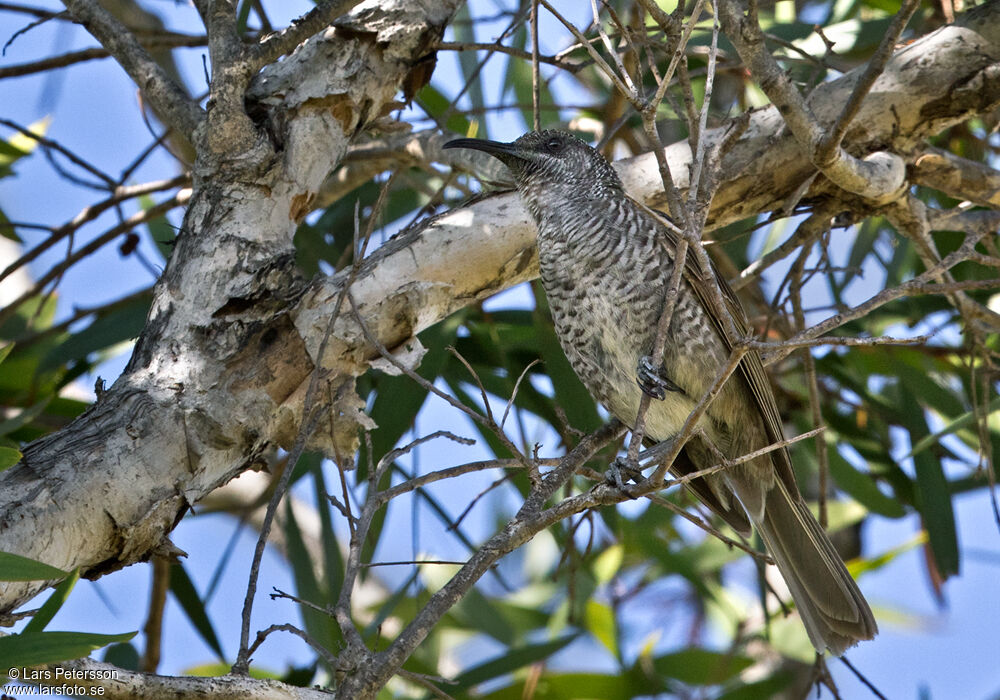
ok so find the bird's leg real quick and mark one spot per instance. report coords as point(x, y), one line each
point(653, 379)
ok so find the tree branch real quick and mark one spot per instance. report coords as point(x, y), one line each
point(168, 40)
point(878, 176)
point(118, 684)
point(957, 177)
point(167, 98)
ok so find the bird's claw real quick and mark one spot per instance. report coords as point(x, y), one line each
point(653, 380)
point(622, 466)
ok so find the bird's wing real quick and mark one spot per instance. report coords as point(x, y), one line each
point(751, 367)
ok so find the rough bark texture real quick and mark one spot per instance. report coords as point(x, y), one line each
point(219, 374)
point(216, 376)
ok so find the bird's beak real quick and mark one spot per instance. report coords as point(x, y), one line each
point(503, 151)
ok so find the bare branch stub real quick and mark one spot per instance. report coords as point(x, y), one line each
point(277, 45)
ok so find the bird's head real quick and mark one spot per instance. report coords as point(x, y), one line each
point(551, 162)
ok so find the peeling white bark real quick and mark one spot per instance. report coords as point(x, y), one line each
point(209, 387)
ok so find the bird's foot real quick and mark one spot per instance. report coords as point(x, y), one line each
point(653, 380)
point(621, 471)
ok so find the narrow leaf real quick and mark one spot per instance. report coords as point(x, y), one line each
point(193, 606)
point(510, 661)
point(52, 605)
point(9, 456)
point(862, 488)
point(14, 567)
point(50, 647)
point(600, 622)
point(933, 493)
point(700, 666)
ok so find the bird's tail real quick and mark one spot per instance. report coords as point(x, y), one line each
point(835, 613)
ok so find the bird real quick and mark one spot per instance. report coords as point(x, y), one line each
point(606, 261)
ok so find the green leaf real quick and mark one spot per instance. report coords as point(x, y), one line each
point(193, 606)
point(333, 560)
point(860, 566)
point(434, 102)
point(50, 647)
point(397, 401)
point(300, 676)
point(608, 563)
point(468, 60)
point(242, 15)
point(161, 231)
point(760, 690)
point(36, 313)
point(600, 622)
point(918, 373)
point(7, 230)
point(700, 666)
point(9, 456)
point(122, 655)
point(579, 686)
point(14, 567)
point(52, 605)
point(933, 493)
point(20, 145)
point(479, 613)
point(959, 423)
point(510, 661)
point(519, 77)
point(389, 605)
point(320, 626)
point(861, 487)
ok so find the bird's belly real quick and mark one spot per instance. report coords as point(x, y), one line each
point(606, 322)
point(604, 331)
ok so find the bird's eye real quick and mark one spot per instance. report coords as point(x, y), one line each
point(554, 145)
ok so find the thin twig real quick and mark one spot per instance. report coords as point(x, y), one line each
point(809, 367)
point(517, 385)
point(922, 284)
point(707, 527)
point(392, 455)
point(536, 80)
point(72, 58)
point(562, 64)
point(312, 412)
point(451, 472)
point(89, 213)
point(50, 144)
point(323, 652)
point(429, 386)
point(102, 240)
